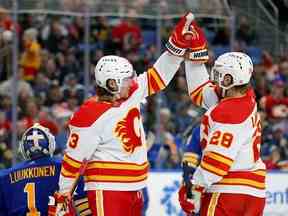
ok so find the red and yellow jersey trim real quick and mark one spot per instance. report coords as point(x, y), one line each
point(191, 158)
point(197, 94)
point(212, 204)
point(255, 179)
point(70, 167)
point(82, 206)
point(155, 82)
point(99, 171)
point(216, 163)
point(104, 171)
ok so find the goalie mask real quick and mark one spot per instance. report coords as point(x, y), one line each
point(236, 64)
point(113, 68)
point(37, 142)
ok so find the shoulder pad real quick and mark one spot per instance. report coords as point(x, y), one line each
point(89, 112)
point(234, 110)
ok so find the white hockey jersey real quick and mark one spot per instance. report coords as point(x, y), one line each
point(230, 139)
point(111, 135)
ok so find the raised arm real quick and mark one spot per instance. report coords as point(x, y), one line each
point(184, 36)
point(203, 93)
point(159, 76)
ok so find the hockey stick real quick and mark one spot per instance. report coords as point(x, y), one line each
point(75, 184)
point(78, 176)
point(52, 210)
point(186, 178)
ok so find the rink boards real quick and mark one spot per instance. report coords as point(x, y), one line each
point(163, 186)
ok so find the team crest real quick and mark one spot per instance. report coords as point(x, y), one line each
point(128, 131)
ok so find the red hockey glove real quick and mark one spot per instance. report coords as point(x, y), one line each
point(187, 35)
point(190, 206)
point(197, 50)
point(61, 205)
point(181, 36)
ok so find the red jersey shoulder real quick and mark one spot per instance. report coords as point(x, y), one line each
point(89, 112)
point(234, 110)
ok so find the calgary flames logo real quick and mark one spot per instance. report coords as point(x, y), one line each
point(128, 130)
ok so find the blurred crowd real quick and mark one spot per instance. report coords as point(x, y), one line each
point(51, 80)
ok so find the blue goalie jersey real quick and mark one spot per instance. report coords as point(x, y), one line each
point(193, 151)
point(25, 188)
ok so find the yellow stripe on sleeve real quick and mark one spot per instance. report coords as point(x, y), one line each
point(71, 162)
point(192, 160)
point(243, 181)
point(213, 169)
point(220, 158)
point(86, 213)
point(115, 178)
point(66, 173)
point(260, 172)
point(82, 207)
point(157, 78)
point(100, 165)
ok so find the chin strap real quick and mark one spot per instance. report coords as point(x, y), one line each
point(223, 92)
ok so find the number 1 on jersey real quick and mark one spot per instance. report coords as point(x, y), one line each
point(31, 202)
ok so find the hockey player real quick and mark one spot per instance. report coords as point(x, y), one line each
point(109, 133)
point(191, 158)
point(230, 179)
point(193, 151)
point(24, 188)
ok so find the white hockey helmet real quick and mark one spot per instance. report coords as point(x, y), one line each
point(236, 64)
point(114, 68)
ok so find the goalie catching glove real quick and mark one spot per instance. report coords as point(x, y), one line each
point(188, 36)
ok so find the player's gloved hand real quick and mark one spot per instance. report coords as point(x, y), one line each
point(180, 38)
point(60, 204)
point(197, 51)
point(190, 205)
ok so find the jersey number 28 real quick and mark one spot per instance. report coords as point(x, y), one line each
point(31, 202)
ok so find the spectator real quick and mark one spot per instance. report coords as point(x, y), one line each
point(127, 34)
point(222, 37)
point(52, 35)
point(31, 57)
point(274, 158)
point(51, 70)
point(23, 87)
point(34, 114)
point(56, 89)
point(73, 88)
point(6, 21)
point(54, 95)
point(275, 103)
point(67, 63)
point(6, 37)
point(168, 155)
point(76, 31)
point(245, 34)
point(41, 87)
point(270, 68)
